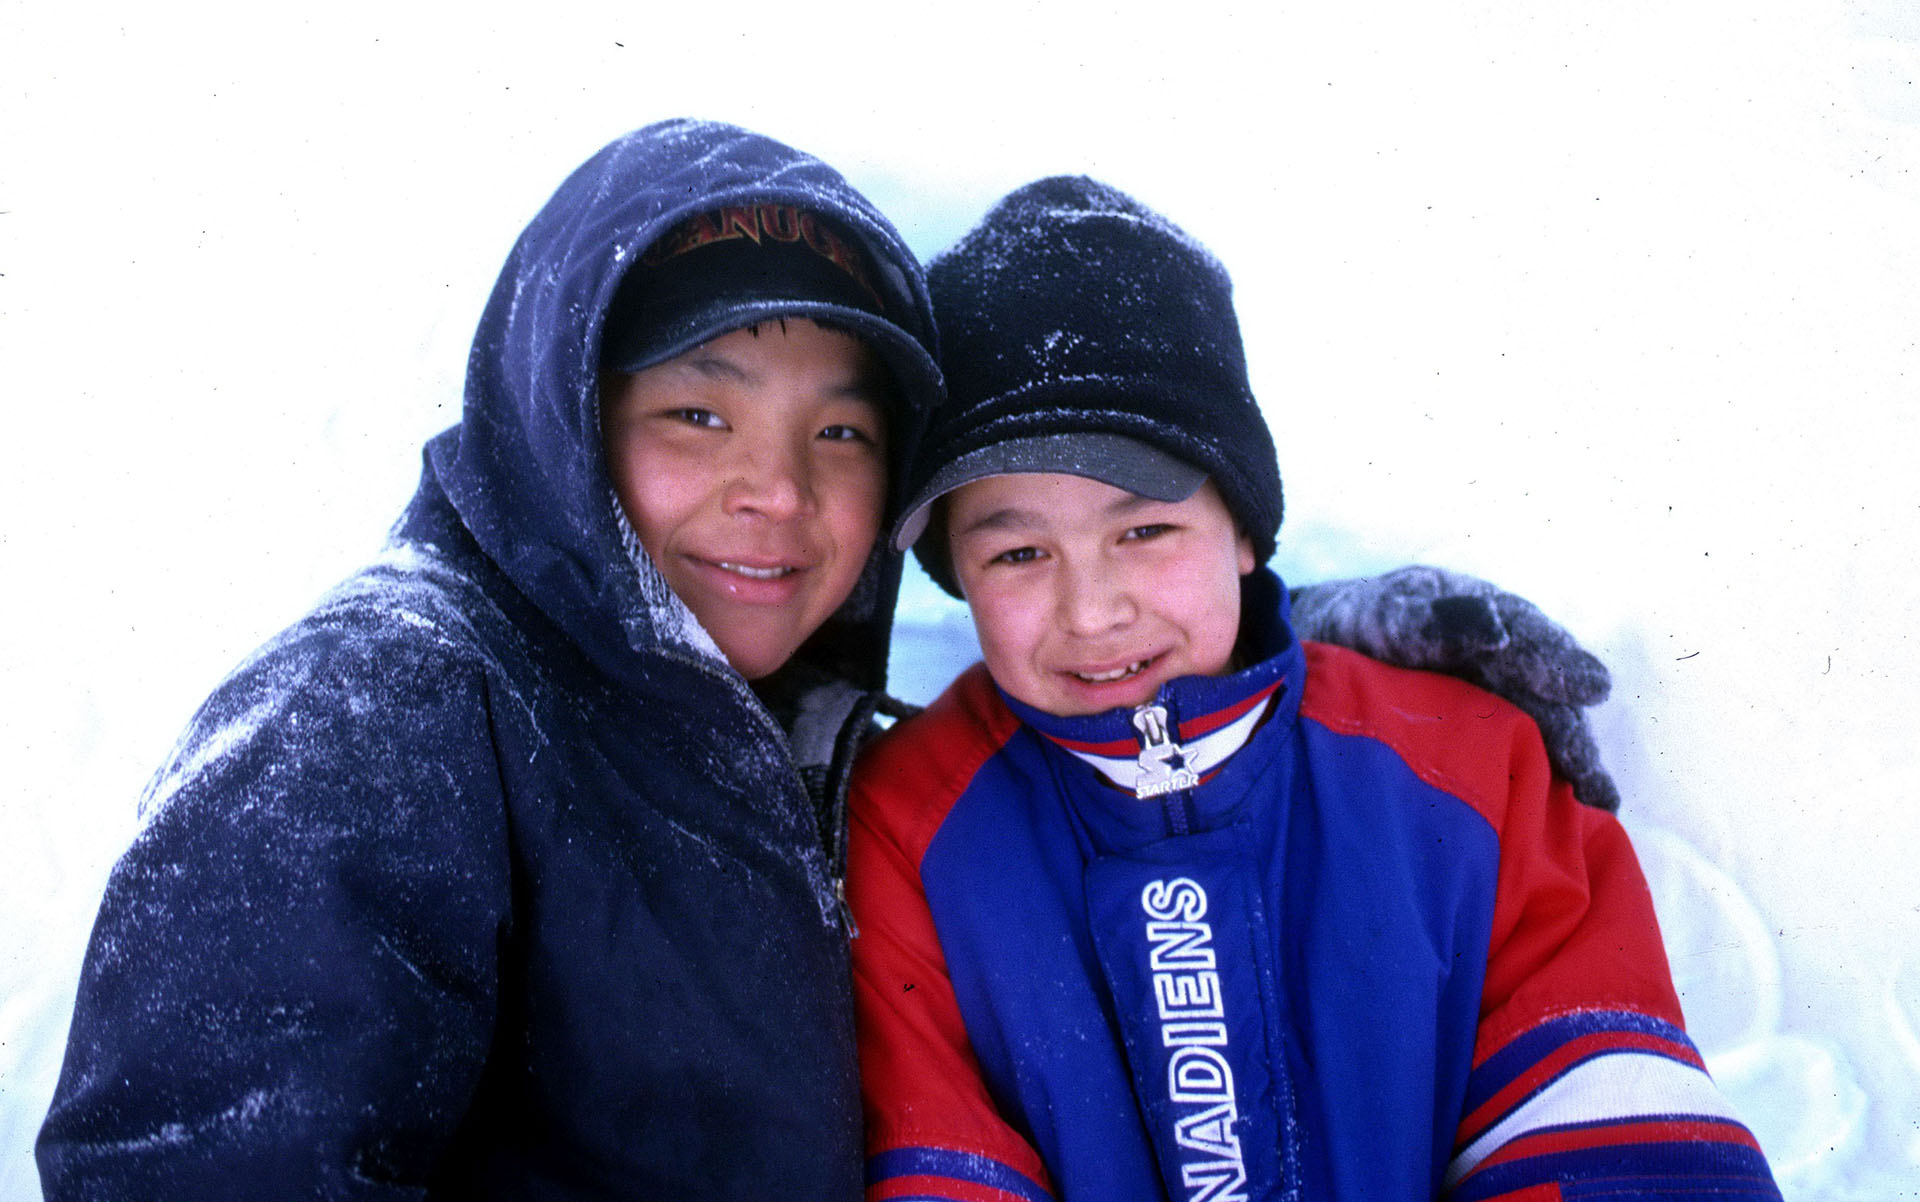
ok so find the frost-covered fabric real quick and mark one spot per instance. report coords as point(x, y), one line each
point(489, 877)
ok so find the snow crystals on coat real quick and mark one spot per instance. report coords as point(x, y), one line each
point(490, 877)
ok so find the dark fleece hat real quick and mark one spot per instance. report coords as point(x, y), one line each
point(1086, 334)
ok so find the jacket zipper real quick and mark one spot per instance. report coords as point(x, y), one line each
point(1166, 769)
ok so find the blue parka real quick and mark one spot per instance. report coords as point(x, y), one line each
point(490, 878)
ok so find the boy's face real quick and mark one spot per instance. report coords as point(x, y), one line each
point(1086, 596)
point(754, 470)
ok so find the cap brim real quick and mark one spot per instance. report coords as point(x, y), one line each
point(913, 368)
point(1126, 463)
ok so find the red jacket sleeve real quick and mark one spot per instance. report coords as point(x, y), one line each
point(1584, 1082)
point(933, 1131)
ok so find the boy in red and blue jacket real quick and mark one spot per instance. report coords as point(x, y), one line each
point(1162, 902)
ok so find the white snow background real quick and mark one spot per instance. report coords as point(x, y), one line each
point(1614, 304)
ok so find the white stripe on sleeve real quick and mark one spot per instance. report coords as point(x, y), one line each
point(1615, 1087)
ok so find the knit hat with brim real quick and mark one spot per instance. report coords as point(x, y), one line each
point(1086, 334)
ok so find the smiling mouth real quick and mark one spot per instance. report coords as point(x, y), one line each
point(1122, 673)
point(753, 573)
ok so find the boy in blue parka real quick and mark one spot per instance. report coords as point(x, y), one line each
point(1162, 902)
point(512, 870)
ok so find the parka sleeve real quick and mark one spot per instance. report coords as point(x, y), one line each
point(933, 1131)
point(290, 987)
point(1584, 1081)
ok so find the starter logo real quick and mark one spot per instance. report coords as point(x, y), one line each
point(1186, 991)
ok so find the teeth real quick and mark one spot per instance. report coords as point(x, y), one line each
point(1116, 674)
point(756, 573)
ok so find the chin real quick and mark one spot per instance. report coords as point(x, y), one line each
point(757, 663)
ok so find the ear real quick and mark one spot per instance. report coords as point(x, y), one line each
point(1243, 549)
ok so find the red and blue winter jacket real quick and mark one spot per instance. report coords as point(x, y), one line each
point(1377, 953)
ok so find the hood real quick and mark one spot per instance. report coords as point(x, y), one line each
point(525, 469)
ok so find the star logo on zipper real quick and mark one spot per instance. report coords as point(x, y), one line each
point(1163, 762)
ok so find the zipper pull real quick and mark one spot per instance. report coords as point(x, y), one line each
point(1164, 764)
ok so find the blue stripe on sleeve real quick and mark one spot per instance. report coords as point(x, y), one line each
point(960, 1166)
point(1535, 1045)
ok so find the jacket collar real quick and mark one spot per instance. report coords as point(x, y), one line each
point(1182, 739)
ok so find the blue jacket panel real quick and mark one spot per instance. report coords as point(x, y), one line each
point(1311, 882)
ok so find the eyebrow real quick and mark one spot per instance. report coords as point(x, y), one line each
point(1004, 518)
point(867, 385)
point(715, 366)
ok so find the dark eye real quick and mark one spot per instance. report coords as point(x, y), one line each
point(1017, 555)
point(704, 418)
point(1149, 531)
point(845, 433)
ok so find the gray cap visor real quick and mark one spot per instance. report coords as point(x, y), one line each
point(1126, 463)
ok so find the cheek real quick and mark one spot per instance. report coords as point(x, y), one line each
point(654, 487)
point(624, 470)
point(1010, 623)
point(855, 502)
point(1222, 605)
point(1203, 596)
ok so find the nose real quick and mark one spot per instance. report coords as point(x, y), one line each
point(769, 479)
point(1093, 597)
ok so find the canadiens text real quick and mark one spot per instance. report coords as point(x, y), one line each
point(1186, 991)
